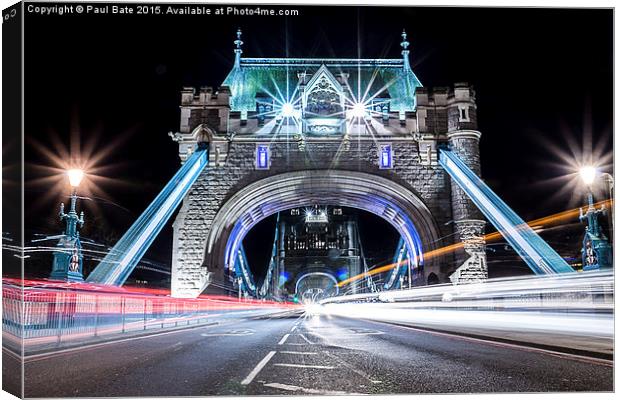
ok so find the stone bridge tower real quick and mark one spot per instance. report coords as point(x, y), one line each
point(292, 132)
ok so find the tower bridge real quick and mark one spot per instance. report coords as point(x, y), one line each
point(290, 133)
point(293, 132)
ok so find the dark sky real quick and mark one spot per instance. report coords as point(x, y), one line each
point(538, 73)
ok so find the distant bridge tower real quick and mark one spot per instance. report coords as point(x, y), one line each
point(315, 244)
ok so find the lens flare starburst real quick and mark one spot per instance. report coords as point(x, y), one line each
point(579, 159)
point(57, 165)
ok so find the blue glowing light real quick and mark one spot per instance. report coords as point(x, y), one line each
point(288, 110)
point(262, 156)
point(385, 156)
point(283, 278)
point(357, 110)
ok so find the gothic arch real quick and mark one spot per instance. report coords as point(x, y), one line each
point(406, 212)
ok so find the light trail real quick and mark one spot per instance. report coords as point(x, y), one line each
point(43, 312)
point(558, 311)
point(544, 222)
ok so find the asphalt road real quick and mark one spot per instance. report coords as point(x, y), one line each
point(307, 355)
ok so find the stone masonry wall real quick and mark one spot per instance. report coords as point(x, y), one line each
point(218, 183)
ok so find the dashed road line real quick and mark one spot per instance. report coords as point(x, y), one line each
point(304, 366)
point(284, 339)
point(293, 388)
point(258, 368)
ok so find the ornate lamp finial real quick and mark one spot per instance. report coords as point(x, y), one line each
point(238, 42)
point(238, 49)
point(404, 44)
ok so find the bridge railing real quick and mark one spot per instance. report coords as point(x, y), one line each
point(55, 315)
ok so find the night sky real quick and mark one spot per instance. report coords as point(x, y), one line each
point(542, 77)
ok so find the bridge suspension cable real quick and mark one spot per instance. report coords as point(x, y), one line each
point(118, 264)
point(538, 255)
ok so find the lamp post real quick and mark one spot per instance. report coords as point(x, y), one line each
point(610, 187)
point(68, 254)
point(595, 251)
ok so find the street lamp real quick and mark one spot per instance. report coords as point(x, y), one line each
point(288, 110)
point(68, 258)
point(588, 174)
point(75, 177)
point(358, 110)
point(595, 251)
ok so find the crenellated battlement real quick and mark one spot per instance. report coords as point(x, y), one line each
point(446, 109)
point(205, 96)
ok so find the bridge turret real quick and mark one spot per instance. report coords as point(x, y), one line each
point(464, 137)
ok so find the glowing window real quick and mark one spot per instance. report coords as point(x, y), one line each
point(385, 156)
point(262, 156)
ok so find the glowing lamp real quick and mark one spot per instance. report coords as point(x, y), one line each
point(75, 176)
point(588, 174)
point(288, 110)
point(358, 110)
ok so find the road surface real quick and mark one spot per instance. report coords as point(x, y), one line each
point(293, 354)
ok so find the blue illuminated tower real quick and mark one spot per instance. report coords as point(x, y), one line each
point(68, 254)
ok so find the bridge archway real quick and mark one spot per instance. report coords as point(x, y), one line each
point(398, 205)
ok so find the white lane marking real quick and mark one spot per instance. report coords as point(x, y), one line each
point(567, 356)
point(293, 388)
point(304, 366)
point(258, 368)
point(303, 353)
point(305, 338)
point(284, 339)
point(293, 328)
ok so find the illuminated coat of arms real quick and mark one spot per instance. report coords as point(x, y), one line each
point(323, 103)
